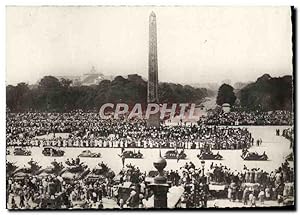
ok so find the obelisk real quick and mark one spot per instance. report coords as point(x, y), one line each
point(152, 92)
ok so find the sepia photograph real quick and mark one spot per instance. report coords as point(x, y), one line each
point(150, 107)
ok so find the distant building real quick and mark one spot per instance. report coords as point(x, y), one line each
point(91, 78)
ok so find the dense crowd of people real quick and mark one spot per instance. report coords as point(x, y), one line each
point(249, 118)
point(130, 188)
point(55, 192)
point(273, 180)
point(89, 130)
point(65, 188)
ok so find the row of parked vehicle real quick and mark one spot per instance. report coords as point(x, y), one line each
point(51, 151)
point(171, 154)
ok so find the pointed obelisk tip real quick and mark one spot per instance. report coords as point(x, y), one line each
point(152, 14)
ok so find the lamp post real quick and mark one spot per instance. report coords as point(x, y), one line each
point(202, 165)
point(204, 187)
point(160, 186)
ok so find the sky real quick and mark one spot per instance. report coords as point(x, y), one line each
point(195, 44)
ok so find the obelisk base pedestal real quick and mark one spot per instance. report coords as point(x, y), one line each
point(154, 120)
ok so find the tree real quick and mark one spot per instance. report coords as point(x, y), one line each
point(66, 83)
point(18, 97)
point(226, 95)
point(268, 94)
point(53, 94)
point(49, 83)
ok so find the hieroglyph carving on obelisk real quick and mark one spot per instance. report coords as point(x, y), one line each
point(152, 96)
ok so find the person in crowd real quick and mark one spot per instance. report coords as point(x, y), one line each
point(278, 117)
point(261, 196)
point(89, 130)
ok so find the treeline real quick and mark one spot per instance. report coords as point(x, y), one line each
point(54, 95)
point(266, 94)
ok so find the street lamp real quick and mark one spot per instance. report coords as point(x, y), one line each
point(160, 186)
point(202, 165)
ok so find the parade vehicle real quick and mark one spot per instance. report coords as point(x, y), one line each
point(76, 168)
point(173, 154)
point(20, 176)
point(22, 151)
point(77, 172)
point(209, 156)
point(131, 154)
point(95, 178)
point(33, 169)
point(10, 168)
point(102, 170)
point(89, 154)
point(246, 155)
point(50, 151)
point(56, 168)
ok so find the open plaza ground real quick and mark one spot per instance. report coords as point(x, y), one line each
point(276, 147)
